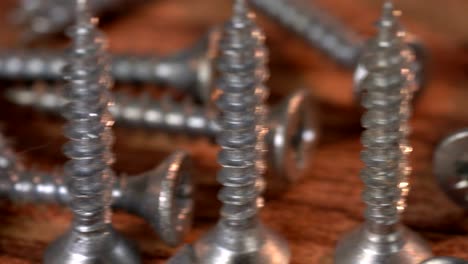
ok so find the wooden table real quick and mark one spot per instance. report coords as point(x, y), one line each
point(324, 204)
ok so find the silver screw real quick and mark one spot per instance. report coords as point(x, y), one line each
point(333, 38)
point(189, 71)
point(162, 196)
point(239, 236)
point(314, 25)
point(382, 238)
point(43, 17)
point(91, 237)
point(291, 136)
point(444, 260)
point(451, 167)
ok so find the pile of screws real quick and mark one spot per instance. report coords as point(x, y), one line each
point(263, 148)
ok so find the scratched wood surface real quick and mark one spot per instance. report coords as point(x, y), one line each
point(324, 204)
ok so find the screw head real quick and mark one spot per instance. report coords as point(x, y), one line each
point(165, 198)
point(450, 167)
point(227, 245)
point(73, 249)
point(291, 139)
point(204, 67)
point(365, 247)
point(444, 260)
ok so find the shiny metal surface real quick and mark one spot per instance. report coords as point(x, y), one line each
point(162, 196)
point(239, 237)
point(90, 238)
point(365, 247)
point(292, 137)
point(189, 71)
point(71, 248)
point(228, 245)
point(382, 239)
point(416, 56)
point(195, 75)
point(445, 260)
point(292, 125)
point(450, 166)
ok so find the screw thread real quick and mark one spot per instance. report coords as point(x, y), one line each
point(165, 114)
point(262, 110)
point(178, 71)
point(88, 130)
point(386, 101)
point(34, 186)
point(316, 27)
point(238, 104)
point(9, 166)
point(45, 187)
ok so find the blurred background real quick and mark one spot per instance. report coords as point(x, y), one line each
point(327, 198)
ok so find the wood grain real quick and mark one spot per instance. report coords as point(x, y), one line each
point(324, 204)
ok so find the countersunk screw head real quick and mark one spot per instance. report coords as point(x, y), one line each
point(115, 250)
point(239, 246)
point(387, 86)
point(239, 236)
point(291, 139)
point(444, 260)
point(292, 124)
point(169, 187)
point(202, 64)
point(450, 167)
point(163, 196)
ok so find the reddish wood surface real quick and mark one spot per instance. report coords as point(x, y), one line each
point(323, 205)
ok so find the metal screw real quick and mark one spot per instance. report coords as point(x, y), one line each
point(239, 236)
point(382, 238)
point(43, 17)
point(451, 167)
point(162, 196)
point(313, 24)
point(189, 71)
point(444, 260)
point(290, 139)
point(318, 28)
point(333, 38)
point(91, 237)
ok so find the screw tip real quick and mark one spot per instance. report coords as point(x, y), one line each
point(240, 10)
point(388, 24)
point(83, 15)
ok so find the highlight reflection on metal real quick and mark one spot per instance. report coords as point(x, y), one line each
point(444, 260)
point(382, 239)
point(451, 167)
point(416, 56)
point(261, 111)
point(188, 71)
point(239, 236)
point(292, 125)
point(91, 237)
point(162, 196)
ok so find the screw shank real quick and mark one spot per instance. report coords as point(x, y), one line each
point(317, 28)
point(177, 72)
point(41, 187)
